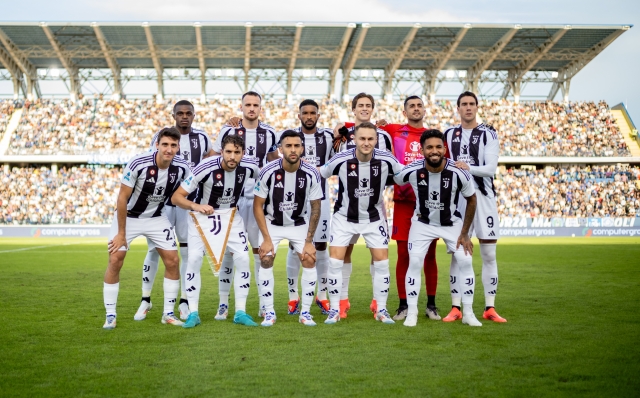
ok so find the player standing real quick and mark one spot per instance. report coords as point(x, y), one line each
point(437, 185)
point(282, 194)
point(195, 145)
point(317, 144)
point(475, 148)
point(406, 146)
point(261, 145)
point(148, 182)
point(363, 173)
point(219, 182)
point(362, 106)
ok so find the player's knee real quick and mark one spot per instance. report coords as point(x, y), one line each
point(322, 246)
point(266, 262)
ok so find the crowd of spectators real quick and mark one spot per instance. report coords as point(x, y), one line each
point(75, 195)
point(87, 195)
point(6, 110)
point(106, 126)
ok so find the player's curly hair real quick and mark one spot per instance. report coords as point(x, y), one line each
point(431, 133)
point(234, 140)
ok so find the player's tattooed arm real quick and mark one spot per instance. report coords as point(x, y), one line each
point(314, 219)
point(470, 212)
point(121, 210)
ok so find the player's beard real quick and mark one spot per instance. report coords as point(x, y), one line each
point(313, 126)
point(435, 165)
point(292, 162)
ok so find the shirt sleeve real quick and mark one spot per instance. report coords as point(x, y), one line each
point(152, 146)
point(209, 143)
point(194, 177)
point(467, 184)
point(316, 188)
point(129, 176)
point(491, 153)
point(217, 145)
point(329, 168)
point(276, 139)
point(189, 184)
point(401, 177)
point(261, 190)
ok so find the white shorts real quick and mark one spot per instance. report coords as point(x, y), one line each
point(178, 219)
point(158, 230)
point(375, 234)
point(486, 224)
point(421, 235)
point(295, 236)
point(237, 242)
point(324, 224)
point(245, 208)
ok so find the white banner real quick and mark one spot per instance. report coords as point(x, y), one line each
point(214, 231)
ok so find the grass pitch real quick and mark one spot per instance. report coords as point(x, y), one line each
point(571, 304)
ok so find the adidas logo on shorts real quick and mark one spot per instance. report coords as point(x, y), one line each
point(492, 233)
point(323, 236)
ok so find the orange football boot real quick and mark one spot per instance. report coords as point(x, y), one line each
point(492, 315)
point(454, 315)
point(374, 308)
point(345, 305)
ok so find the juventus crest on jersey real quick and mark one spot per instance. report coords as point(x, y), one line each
point(361, 184)
point(217, 187)
point(437, 193)
point(384, 140)
point(152, 186)
point(193, 146)
point(288, 194)
point(471, 147)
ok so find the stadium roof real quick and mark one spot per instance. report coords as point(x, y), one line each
point(559, 50)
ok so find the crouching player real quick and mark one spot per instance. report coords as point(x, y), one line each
point(437, 184)
point(283, 193)
point(149, 180)
point(219, 181)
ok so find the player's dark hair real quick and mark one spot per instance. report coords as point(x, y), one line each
point(289, 133)
point(365, 125)
point(431, 133)
point(467, 94)
point(410, 98)
point(182, 102)
point(252, 93)
point(235, 140)
point(355, 99)
point(170, 132)
point(308, 102)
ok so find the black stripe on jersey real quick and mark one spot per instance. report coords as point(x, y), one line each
point(353, 182)
point(148, 188)
point(194, 142)
point(446, 184)
point(422, 180)
point(278, 196)
point(457, 197)
point(168, 189)
point(300, 196)
point(217, 184)
point(376, 183)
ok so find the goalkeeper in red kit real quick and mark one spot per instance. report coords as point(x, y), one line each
point(406, 148)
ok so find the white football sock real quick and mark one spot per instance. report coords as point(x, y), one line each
point(293, 270)
point(266, 288)
point(110, 296)
point(454, 283)
point(171, 290)
point(225, 278)
point(413, 280)
point(489, 273)
point(334, 282)
point(184, 258)
point(194, 281)
point(242, 281)
point(309, 277)
point(467, 277)
point(381, 282)
point(256, 275)
point(372, 272)
point(347, 268)
point(322, 264)
point(149, 271)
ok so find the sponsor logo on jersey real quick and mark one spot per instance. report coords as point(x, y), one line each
point(414, 146)
point(127, 176)
point(433, 203)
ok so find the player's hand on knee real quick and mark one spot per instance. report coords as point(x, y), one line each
point(466, 243)
point(309, 251)
point(116, 243)
point(266, 248)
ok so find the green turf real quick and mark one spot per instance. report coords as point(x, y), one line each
point(571, 304)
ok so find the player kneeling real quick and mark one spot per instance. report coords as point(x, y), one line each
point(148, 182)
point(282, 193)
point(437, 184)
point(219, 181)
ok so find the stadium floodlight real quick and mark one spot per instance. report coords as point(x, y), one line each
point(55, 72)
point(462, 73)
point(43, 24)
point(467, 26)
point(366, 25)
point(364, 73)
point(626, 27)
point(131, 72)
point(351, 25)
point(175, 72)
point(42, 72)
point(143, 72)
point(554, 75)
point(300, 25)
point(377, 73)
point(230, 72)
point(319, 73)
point(93, 24)
point(517, 26)
point(450, 73)
point(217, 72)
point(417, 25)
point(197, 24)
point(568, 27)
point(306, 72)
point(145, 24)
point(248, 24)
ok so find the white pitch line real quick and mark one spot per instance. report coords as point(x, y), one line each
point(40, 247)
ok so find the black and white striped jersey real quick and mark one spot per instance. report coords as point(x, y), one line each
point(318, 149)
point(384, 140)
point(217, 187)
point(479, 148)
point(152, 186)
point(288, 194)
point(437, 193)
point(361, 185)
point(258, 143)
point(193, 146)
